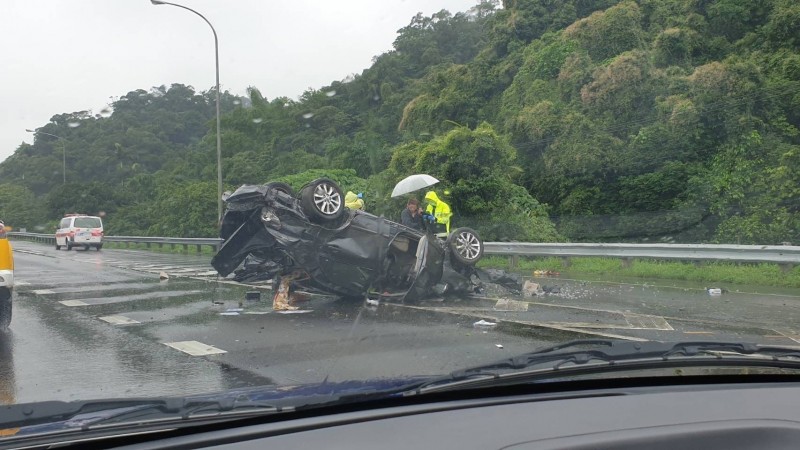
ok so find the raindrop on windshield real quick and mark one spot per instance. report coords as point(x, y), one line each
point(308, 115)
point(258, 120)
point(73, 124)
point(237, 102)
point(376, 97)
point(330, 93)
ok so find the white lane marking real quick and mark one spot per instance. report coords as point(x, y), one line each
point(791, 334)
point(195, 348)
point(119, 320)
point(73, 303)
point(510, 305)
point(257, 312)
point(43, 291)
point(647, 322)
point(21, 283)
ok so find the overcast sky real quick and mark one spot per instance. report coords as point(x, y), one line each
point(62, 56)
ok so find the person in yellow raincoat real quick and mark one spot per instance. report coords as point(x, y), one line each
point(438, 209)
point(353, 200)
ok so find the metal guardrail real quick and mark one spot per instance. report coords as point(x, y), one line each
point(127, 240)
point(778, 254)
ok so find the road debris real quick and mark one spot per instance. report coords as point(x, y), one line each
point(498, 345)
point(545, 273)
point(484, 324)
point(714, 291)
point(163, 276)
point(531, 289)
point(372, 302)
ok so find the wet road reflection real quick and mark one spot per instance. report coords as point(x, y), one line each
point(130, 334)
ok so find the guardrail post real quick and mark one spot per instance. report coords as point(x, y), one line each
point(626, 263)
point(786, 267)
point(172, 246)
point(148, 244)
point(186, 248)
point(513, 262)
point(565, 261)
point(199, 249)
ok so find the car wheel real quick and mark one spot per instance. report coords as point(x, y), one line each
point(69, 244)
point(98, 247)
point(5, 309)
point(58, 247)
point(86, 248)
point(322, 200)
point(465, 245)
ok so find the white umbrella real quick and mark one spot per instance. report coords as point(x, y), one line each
point(413, 183)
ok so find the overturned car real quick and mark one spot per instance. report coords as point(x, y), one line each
point(327, 248)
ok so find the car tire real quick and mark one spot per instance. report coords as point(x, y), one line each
point(98, 247)
point(69, 244)
point(5, 309)
point(282, 187)
point(465, 245)
point(58, 247)
point(322, 200)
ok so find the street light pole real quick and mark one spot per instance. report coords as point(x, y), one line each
point(219, 137)
point(63, 149)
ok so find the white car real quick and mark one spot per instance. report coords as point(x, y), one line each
point(79, 229)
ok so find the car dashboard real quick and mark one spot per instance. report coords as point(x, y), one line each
point(702, 416)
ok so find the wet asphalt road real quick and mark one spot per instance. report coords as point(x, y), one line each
point(93, 324)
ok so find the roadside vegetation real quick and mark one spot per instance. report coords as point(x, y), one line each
point(715, 273)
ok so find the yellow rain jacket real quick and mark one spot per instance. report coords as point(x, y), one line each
point(439, 209)
point(352, 201)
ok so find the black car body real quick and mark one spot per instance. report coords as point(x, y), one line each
point(331, 249)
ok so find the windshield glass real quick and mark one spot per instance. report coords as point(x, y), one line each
point(422, 186)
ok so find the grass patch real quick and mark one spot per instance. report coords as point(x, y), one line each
point(763, 274)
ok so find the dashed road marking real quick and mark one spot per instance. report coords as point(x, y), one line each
point(195, 348)
point(510, 305)
point(698, 332)
point(43, 291)
point(119, 320)
point(21, 283)
point(647, 322)
point(73, 303)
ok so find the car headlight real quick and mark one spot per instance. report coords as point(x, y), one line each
point(269, 217)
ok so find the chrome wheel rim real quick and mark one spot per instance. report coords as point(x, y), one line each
point(468, 245)
point(327, 199)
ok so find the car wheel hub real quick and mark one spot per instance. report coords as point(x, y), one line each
point(327, 199)
point(467, 245)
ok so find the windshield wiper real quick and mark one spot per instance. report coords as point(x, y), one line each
point(583, 357)
point(86, 414)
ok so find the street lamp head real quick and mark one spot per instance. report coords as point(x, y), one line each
point(156, 2)
point(29, 131)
